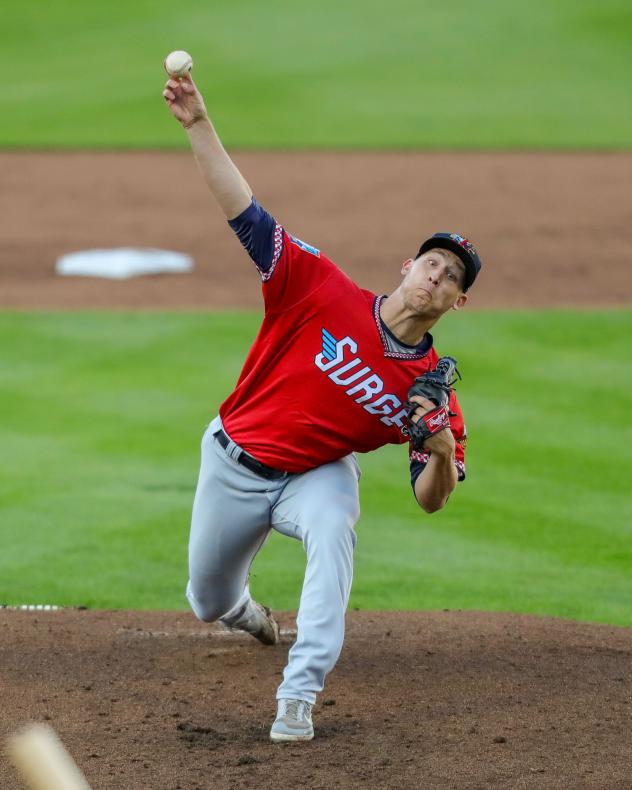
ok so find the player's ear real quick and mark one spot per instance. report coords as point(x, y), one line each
point(460, 302)
point(406, 265)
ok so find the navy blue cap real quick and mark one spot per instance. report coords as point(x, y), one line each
point(459, 246)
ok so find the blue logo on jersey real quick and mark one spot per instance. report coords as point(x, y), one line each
point(339, 360)
point(306, 247)
point(329, 345)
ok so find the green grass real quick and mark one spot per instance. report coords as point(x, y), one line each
point(102, 416)
point(486, 74)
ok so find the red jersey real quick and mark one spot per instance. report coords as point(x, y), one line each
point(320, 381)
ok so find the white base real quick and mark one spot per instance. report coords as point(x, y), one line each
point(123, 263)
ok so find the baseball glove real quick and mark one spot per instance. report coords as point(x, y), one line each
point(436, 386)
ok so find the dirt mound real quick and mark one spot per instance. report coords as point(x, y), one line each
point(418, 699)
point(553, 229)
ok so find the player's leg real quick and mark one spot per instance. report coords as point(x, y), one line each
point(320, 508)
point(230, 522)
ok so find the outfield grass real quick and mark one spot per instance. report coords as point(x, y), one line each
point(486, 74)
point(103, 413)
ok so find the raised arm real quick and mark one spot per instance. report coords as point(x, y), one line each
point(220, 172)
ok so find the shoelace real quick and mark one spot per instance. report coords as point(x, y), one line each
point(297, 709)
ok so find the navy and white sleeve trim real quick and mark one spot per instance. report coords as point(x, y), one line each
point(418, 461)
point(261, 236)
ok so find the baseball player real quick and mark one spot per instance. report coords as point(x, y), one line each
point(328, 374)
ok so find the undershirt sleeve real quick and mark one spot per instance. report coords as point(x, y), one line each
point(255, 229)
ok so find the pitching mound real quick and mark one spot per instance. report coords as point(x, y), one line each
point(434, 700)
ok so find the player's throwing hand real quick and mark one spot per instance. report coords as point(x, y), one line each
point(184, 100)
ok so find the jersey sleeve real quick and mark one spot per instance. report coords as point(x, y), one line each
point(419, 458)
point(290, 269)
point(257, 231)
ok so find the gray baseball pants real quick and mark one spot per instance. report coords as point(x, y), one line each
point(233, 513)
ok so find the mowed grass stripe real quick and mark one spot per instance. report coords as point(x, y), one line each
point(329, 75)
point(103, 414)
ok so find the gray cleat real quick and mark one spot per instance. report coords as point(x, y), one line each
point(293, 721)
point(258, 621)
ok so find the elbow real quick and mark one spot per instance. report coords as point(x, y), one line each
point(431, 494)
point(431, 506)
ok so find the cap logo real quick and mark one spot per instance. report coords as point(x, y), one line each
point(463, 242)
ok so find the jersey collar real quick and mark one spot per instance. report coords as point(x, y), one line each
point(421, 350)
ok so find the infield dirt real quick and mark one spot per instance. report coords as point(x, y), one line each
point(418, 699)
point(552, 229)
point(422, 700)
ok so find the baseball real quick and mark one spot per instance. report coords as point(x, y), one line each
point(178, 63)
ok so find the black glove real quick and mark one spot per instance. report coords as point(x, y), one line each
point(436, 386)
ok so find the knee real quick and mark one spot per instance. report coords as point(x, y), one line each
point(207, 605)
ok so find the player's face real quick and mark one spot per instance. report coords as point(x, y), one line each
point(433, 283)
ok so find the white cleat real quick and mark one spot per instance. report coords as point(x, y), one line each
point(258, 621)
point(293, 721)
